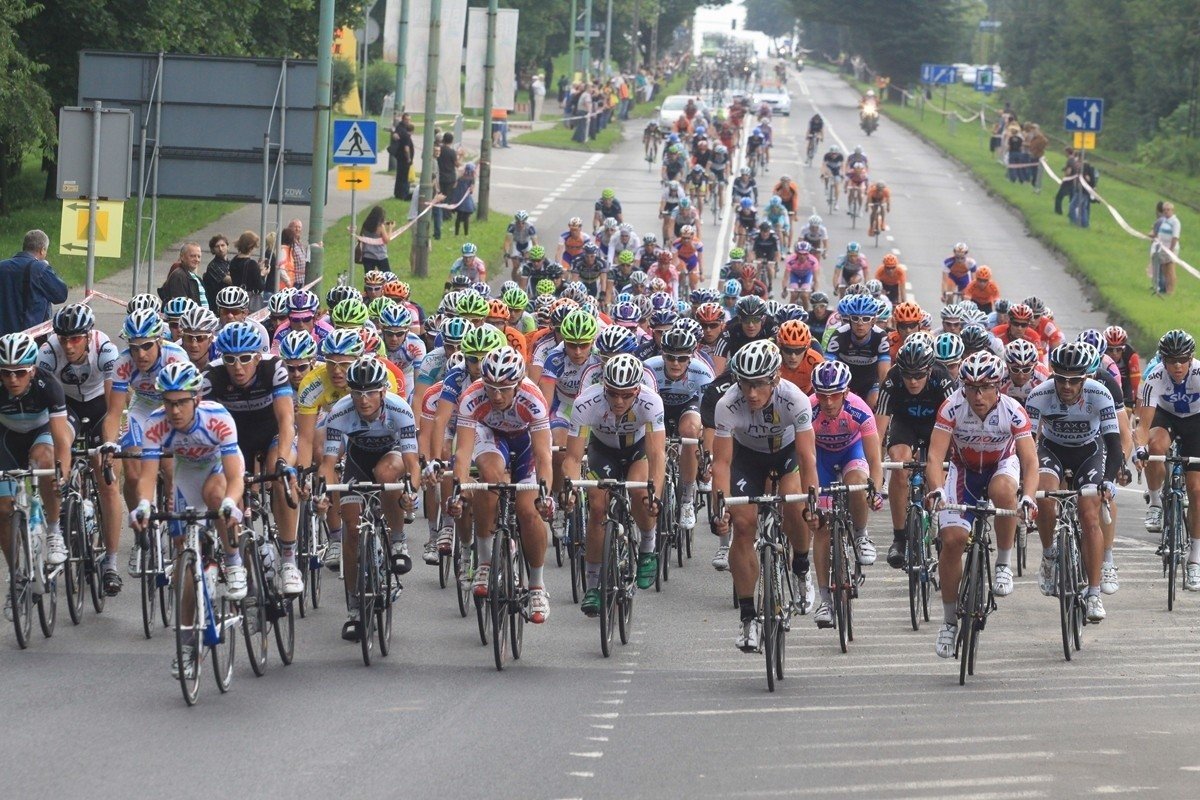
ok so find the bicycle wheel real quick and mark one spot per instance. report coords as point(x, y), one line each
point(559, 545)
point(573, 535)
point(520, 603)
point(839, 576)
point(47, 601)
point(667, 532)
point(303, 550)
point(20, 579)
point(95, 553)
point(389, 585)
point(75, 570)
point(966, 615)
point(1171, 556)
point(628, 583)
point(461, 566)
point(915, 563)
point(982, 604)
point(283, 620)
point(1066, 591)
point(500, 587)
point(1022, 548)
point(255, 625)
point(1080, 583)
point(319, 529)
point(227, 617)
point(768, 605)
point(368, 587)
point(149, 587)
point(610, 572)
point(162, 578)
point(929, 584)
point(187, 628)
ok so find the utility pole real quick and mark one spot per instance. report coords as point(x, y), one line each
point(489, 81)
point(653, 64)
point(320, 164)
point(637, 35)
point(402, 57)
point(587, 40)
point(420, 246)
point(571, 42)
point(608, 39)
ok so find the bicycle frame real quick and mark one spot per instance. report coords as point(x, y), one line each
point(1173, 543)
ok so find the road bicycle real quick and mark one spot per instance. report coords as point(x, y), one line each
point(30, 579)
point(312, 538)
point(154, 561)
point(832, 192)
point(854, 204)
point(765, 274)
point(845, 573)
point(875, 226)
point(920, 550)
point(83, 528)
point(810, 149)
point(265, 608)
point(1070, 582)
point(1173, 545)
point(672, 536)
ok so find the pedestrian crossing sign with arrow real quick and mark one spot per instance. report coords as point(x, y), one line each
point(73, 235)
point(354, 141)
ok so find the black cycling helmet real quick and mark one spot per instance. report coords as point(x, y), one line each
point(975, 338)
point(1072, 358)
point(1176, 344)
point(915, 355)
point(750, 306)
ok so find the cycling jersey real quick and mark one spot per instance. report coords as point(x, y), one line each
point(747, 217)
point(620, 244)
point(801, 268)
point(128, 378)
point(959, 271)
point(213, 434)
point(744, 188)
point(1019, 393)
point(408, 356)
point(918, 410)
point(789, 193)
point(833, 162)
point(853, 422)
point(754, 142)
point(566, 376)
point(522, 235)
point(542, 346)
point(778, 217)
point(535, 270)
point(526, 414)
point(32, 410)
point(80, 382)
point(317, 391)
point(981, 444)
point(688, 251)
point(765, 246)
point(861, 356)
point(802, 374)
point(613, 209)
point(592, 411)
point(850, 268)
point(718, 164)
point(1179, 399)
point(393, 429)
point(769, 430)
point(817, 325)
point(589, 273)
point(573, 245)
point(476, 271)
point(685, 391)
point(433, 365)
point(251, 406)
point(320, 330)
point(734, 338)
point(814, 238)
point(1092, 416)
point(1131, 374)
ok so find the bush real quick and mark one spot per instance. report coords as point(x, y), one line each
point(341, 81)
point(381, 81)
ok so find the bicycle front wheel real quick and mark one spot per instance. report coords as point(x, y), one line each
point(966, 615)
point(20, 579)
point(1171, 517)
point(187, 629)
point(255, 625)
point(148, 584)
point(500, 582)
point(388, 589)
point(368, 588)
point(610, 572)
point(76, 569)
point(839, 582)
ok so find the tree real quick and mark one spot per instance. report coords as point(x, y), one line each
point(27, 123)
point(775, 18)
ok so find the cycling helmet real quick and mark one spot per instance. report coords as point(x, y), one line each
point(773, 308)
point(297, 345)
point(277, 306)
point(460, 281)
point(690, 325)
point(337, 294)
point(756, 360)
point(176, 307)
point(661, 300)
point(791, 311)
point(1036, 304)
point(750, 306)
point(649, 239)
point(516, 299)
point(350, 313)
point(178, 376)
point(143, 324)
point(482, 340)
point(890, 260)
point(722, 149)
point(907, 313)
point(591, 248)
point(575, 222)
point(454, 329)
point(819, 299)
point(733, 288)
point(678, 341)
point(858, 151)
point(1094, 354)
point(578, 327)
point(394, 290)
point(815, 221)
point(951, 313)
point(802, 247)
point(853, 247)
point(749, 273)
point(521, 216)
point(18, 350)
point(624, 297)
point(233, 297)
point(449, 303)
point(376, 277)
point(545, 288)
point(855, 288)
point(967, 306)
point(885, 312)
point(1115, 336)
point(1074, 358)
point(915, 355)
point(74, 319)
point(241, 337)
point(858, 305)
point(394, 315)
point(948, 347)
point(745, 173)
point(626, 314)
point(983, 273)
point(1020, 313)
point(709, 312)
point(982, 367)
point(497, 309)
point(469, 249)
point(738, 254)
point(975, 337)
point(1092, 337)
point(1021, 353)
point(638, 278)
point(683, 308)
point(367, 374)
point(687, 230)
point(623, 371)
point(471, 304)
point(610, 224)
point(625, 229)
point(559, 311)
point(625, 258)
point(1176, 344)
point(1002, 306)
point(961, 249)
point(746, 202)
point(377, 305)
point(874, 287)
point(537, 252)
point(833, 148)
point(976, 317)
point(701, 296)
point(614, 340)
point(775, 201)
point(199, 320)
point(662, 318)
point(793, 333)
point(343, 342)
point(303, 301)
point(482, 289)
point(608, 194)
point(757, 132)
point(503, 367)
point(140, 301)
point(831, 377)
point(764, 226)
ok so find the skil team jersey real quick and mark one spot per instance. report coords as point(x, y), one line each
point(528, 412)
point(1091, 416)
point(213, 435)
point(853, 422)
point(980, 444)
point(592, 411)
point(767, 431)
point(394, 427)
point(128, 378)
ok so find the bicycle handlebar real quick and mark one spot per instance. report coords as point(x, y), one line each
point(910, 464)
point(1090, 490)
point(1174, 459)
point(992, 510)
point(489, 487)
point(745, 501)
point(187, 515)
point(17, 474)
point(365, 486)
point(607, 483)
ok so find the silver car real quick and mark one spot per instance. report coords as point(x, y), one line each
point(777, 98)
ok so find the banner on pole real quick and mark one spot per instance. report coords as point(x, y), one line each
point(504, 85)
point(454, 22)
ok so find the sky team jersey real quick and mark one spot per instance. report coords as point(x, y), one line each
point(918, 409)
point(688, 389)
point(566, 375)
point(980, 444)
point(128, 378)
point(81, 381)
point(1180, 399)
point(394, 427)
point(769, 430)
point(835, 434)
point(317, 391)
point(528, 412)
point(592, 411)
point(1093, 415)
point(453, 384)
point(42, 400)
point(213, 435)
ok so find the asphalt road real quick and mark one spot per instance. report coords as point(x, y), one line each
point(678, 711)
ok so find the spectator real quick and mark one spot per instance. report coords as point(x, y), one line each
point(537, 94)
point(183, 279)
point(28, 285)
point(564, 86)
point(1013, 142)
point(403, 150)
point(216, 276)
point(1035, 146)
point(583, 111)
point(374, 236)
point(499, 127)
point(463, 198)
point(447, 173)
point(1166, 237)
point(299, 251)
point(286, 264)
point(1068, 181)
point(246, 271)
point(1080, 212)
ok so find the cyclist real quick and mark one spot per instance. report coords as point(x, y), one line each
point(1020, 322)
point(894, 277)
point(375, 431)
point(803, 270)
point(571, 242)
point(176, 307)
point(626, 241)
point(820, 317)
point(402, 347)
point(197, 329)
point(1025, 370)
point(672, 195)
point(560, 380)
point(800, 358)
point(674, 162)
point(1127, 361)
point(681, 377)
point(698, 185)
point(373, 281)
point(816, 133)
point(536, 267)
point(911, 394)
point(858, 159)
point(607, 207)
point(469, 264)
point(789, 194)
point(646, 255)
point(766, 245)
point(1167, 410)
point(689, 250)
point(986, 437)
point(83, 361)
point(948, 349)
point(1077, 422)
point(831, 170)
point(817, 237)
point(754, 145)
point(847, 447)
point(857, 179)
point(504, 430)
point(208, 467)
point(518, 238)
point(983, 291)
point(851, 268)
point(745, 219)
point(763, 430)
point(957, 271)
point(35, 433)
point(233, 305)
point(744, 186)
point(626, 443)
point(878, 196)
point(861, 345)
point(1043, 322)
point(591, 268)
point(718, 167)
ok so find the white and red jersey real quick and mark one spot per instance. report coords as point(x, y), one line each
point(527, 413)
point(1039, 376)
point(981, 444)
point(430, 401)
point(213, 434)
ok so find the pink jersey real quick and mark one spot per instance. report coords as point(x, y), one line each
point(835, 434)
point(527, 413)
point(981, 444)
point(801, 267)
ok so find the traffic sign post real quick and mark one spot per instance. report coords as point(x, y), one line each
point(984, 80)
point(73, 237)
point(354, 146)
point(939, 74)
point(1084, 114)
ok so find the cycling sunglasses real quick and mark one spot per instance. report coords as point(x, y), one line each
point(674, 359)
point(1070, 380)
point(16, 372)
point(240, 358)
point(793, 351)
point(143, 347)
point(861, 320)
point(613, 394)
point(1020, 370)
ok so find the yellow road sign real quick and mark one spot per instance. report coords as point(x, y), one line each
point(353, 178)
point(73, 235)
point(1085, 141)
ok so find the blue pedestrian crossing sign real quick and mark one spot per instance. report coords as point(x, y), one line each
point(938, 73)
point(1085, 114)
point(354, 141)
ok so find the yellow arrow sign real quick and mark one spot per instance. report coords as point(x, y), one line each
point(358, 178)
point(73, 235)
point(1085, 141)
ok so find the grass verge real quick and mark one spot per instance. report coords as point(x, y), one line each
point(560, 138)
point(488, 236)
point(1105, 256)
point(650, 107)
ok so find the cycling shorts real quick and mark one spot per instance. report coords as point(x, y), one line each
point(14, 452)
point(903, 430)
point(960, 281)
point(137, 427)
point(515, 448)
point(1086, 462)
point(892, 292)
point(189, 480)
point(360, 466)
point(831, 465)
point(750, 469)
point(668, 208)
point(965, 487)
point(612, 462)
point(672, 414)
point(1185, 429)
point(93, 411)
point(800, 281)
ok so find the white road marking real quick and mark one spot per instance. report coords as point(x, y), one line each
point(589, 754)
point(906, 786)
point(952, 758)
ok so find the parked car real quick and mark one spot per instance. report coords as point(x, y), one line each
point(672, 107)
point(777, 98)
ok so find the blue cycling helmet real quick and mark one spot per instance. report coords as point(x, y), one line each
point(625, 297)
point(298, 345)
point(395, 316)
point(303, 301)
point(454, 329)
point(701, 130)
point(179, 376)
point(791, 311)
point(1092, 337)
point(853, 247)
point(831, 377)
point(757, 132)
point(701, 296)
point(775, 201)
point(858, 305)
point(673, 138)
point(663, 317)
point(684, 202)
point(683, 308)
point(176, 307)
point(343, 342)
point(614, 340)
point(948, 347)
point(142, 324)
point(626, 314)
point(483, 289)
point(661, 300)
point(240, 337)
point(733, 288)
point(18, 350)
point(746, 202)
point(469, 249)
